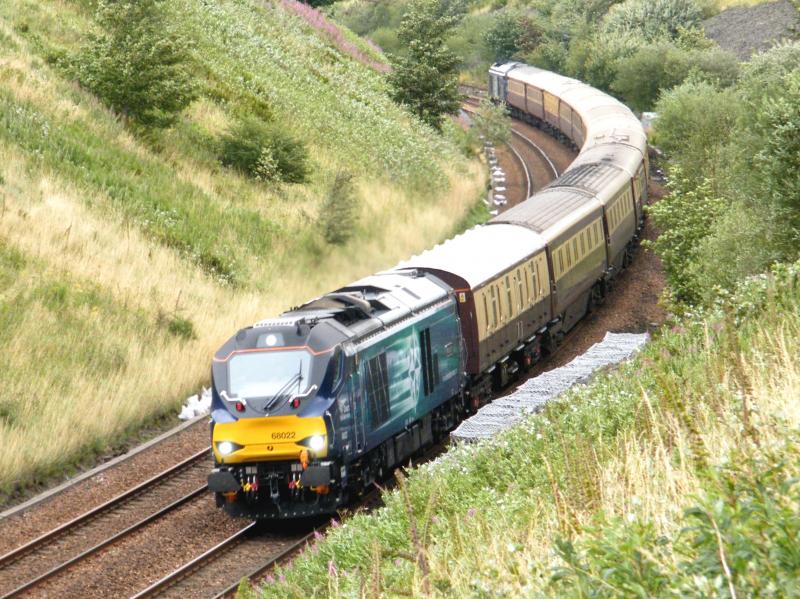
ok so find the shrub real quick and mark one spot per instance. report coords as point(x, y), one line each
point(340, 210)
point(653, 19)
point(139, 65)
point(493, 122)
point(695, 121)
point(655, 68)
point(512, 34)
point(265, 152)
point(685, 216)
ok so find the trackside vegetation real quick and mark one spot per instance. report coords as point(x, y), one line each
point(137, 232)
point(675, 475)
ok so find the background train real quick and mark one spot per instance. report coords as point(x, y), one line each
point(312, 407)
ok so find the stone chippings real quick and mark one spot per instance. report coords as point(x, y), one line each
point(532, 395)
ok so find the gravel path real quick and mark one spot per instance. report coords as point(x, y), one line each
point(745, 30)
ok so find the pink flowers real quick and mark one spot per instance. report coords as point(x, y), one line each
point(318, 21)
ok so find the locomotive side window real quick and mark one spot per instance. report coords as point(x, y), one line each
point(377, 384)
point(430, 362)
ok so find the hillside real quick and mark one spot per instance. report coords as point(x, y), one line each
point(127, 255)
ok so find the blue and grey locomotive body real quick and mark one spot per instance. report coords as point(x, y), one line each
point(311, 407)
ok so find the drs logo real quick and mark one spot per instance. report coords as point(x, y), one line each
point(283, 436)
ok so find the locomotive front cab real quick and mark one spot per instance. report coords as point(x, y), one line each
point(273, 415)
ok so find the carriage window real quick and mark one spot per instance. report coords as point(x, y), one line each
point(508, 294)
point(520, 291)
point(486, 312)
point(377, 383)
point(494, 306)
point(530, 287)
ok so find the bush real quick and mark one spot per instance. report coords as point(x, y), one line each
point(653, 19)
point(265, 152)
point(493, 122)
point(695, 122)
point(659, 67)
point(339, 214)
point(512, 34)
point(139, 65)
point(685, 216)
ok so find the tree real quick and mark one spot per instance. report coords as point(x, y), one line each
point(512, 34)
point(426, 78)
point(493, 122)
point(340, 210)
point(139, 65)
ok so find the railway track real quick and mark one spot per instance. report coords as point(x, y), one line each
point(24, 568)
point(539, 169)
point(218, 571)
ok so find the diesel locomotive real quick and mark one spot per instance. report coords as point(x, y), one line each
point(312, 407)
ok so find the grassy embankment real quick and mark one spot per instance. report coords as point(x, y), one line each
point(127, 256)
point(675, 474)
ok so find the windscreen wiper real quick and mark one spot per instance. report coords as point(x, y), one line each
point(283, 391)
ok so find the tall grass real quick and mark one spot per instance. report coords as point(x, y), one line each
point(676, 474)
point(127, 257)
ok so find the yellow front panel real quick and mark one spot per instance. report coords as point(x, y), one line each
point(269, 439)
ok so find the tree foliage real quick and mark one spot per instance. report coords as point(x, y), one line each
point(493, 122)
point(139, 65)
point(512, 34)
point(654, 68)
point(339, 215)
point(426, 78)
point(653, 19)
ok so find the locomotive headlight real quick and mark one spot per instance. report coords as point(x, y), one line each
point(316, 442)
point(225, 447)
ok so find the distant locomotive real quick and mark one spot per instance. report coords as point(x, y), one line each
point(312, 407)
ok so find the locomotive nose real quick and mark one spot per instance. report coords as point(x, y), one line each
point(269, 439)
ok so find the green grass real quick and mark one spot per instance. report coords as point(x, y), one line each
point(130, 254)
point(631, 486)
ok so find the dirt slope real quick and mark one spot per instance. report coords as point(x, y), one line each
point(745, 30)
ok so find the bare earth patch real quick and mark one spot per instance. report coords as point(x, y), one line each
point(745, 30)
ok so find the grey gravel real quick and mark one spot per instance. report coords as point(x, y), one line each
point(532, 395)
point(745, 30)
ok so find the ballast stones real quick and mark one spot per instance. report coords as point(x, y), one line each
point(532, 395)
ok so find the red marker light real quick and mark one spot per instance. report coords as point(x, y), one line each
point(296, 403)
point(239, 406)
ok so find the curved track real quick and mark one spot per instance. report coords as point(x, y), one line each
point(529, 155)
